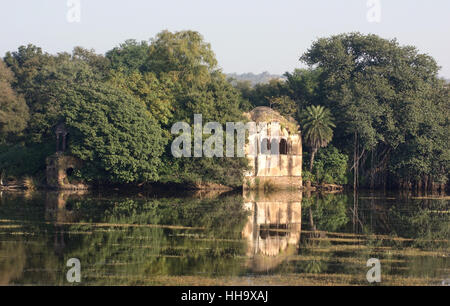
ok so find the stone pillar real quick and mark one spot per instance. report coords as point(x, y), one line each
point(57, 142)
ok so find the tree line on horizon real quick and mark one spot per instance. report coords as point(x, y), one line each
point(386, 107)
point(253, 78)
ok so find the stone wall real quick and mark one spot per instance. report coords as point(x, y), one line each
point(273, 151)
point(58, 169)
point(272, 182)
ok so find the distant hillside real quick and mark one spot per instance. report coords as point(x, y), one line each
point(254, 79)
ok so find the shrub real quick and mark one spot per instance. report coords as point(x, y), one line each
point(330, 166)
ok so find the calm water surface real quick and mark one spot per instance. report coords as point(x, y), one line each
point(282, 238)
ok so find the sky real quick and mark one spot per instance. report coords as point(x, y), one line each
point(246, 35)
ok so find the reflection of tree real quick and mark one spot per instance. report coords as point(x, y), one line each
point(139, 250)
point(219, 217)
point(141, 245)
point(323, 213)
point(12, 261)
point(425, 220)
point(129, 240)
point(328, 212)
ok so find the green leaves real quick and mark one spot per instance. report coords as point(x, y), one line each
point(129, 56)
point(390, 96)
point(156, 94)
point(116, 107)
point(330, 166)
point(13, 109)
point(184, 53)
point(114, 134)
point(317, 124)
point(284, 104)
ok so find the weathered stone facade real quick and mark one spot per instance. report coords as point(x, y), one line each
point(274, 152)
point(58, 170)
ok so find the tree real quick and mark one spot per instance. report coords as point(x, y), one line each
point(382, 95)
point(13, 109)
point(98, 62)
point(317, 123)
point(130, 56)
point(186, 67)
point(26, 63)
point(304, 87)
point(42, 79)
point(284, 104)
point(156, 94)
point(184, 54)
point(217, 101)
point(262, 93)
point(110, 130)
point(113, 133)
point(330, 166)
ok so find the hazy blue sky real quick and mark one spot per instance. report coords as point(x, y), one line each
point(246, 35)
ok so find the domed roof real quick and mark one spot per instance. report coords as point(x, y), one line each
point(267, 114)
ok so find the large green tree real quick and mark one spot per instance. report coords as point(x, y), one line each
point(111, 130)
point(157, 94)
point(42, 79)
point(13, 109)
point(383, 96)
point(113, 133)
point(176, 78)
point(128, 56)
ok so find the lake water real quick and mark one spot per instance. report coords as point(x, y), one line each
point(282, 238)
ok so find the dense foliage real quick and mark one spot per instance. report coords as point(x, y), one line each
point(118, 109)
point(13, 109)
point(391, 109)
point(385, 110)
point(330, 167)
point(114, 134)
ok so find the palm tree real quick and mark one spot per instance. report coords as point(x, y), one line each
point(318, 127)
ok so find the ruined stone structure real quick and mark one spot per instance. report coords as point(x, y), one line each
point(273, 227)
point(61, 137)
point(274, 152)
point(60, 166)
point(59, 169)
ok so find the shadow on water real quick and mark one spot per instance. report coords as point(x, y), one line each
point(231, 238)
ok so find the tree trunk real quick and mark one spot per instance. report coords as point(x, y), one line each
point(355, 211)
point(355, 162)
point(311, 220)
point(311, 162)
point(372, 172)
point(425, 183)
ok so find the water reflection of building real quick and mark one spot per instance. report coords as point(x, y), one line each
point(57, 212)
point(273, 228)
